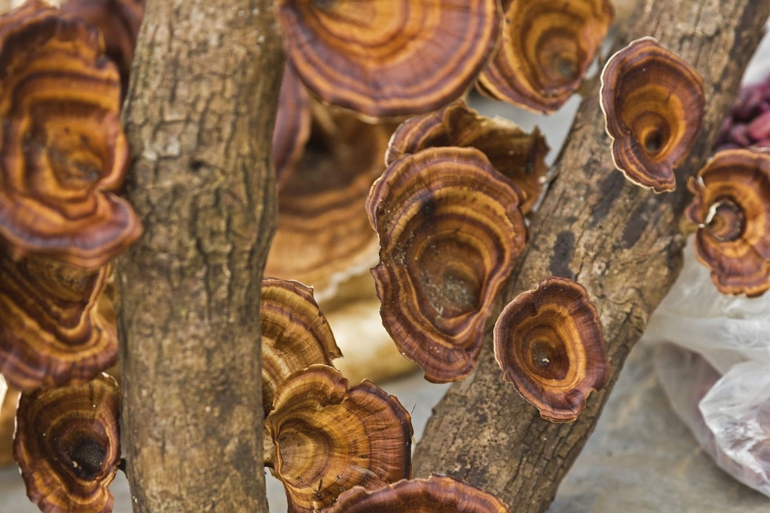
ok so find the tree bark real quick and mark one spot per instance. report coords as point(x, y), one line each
point(618, 240)
point(199, 118)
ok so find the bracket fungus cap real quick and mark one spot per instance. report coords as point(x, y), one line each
point(547, 48)
point(67, 444)
point(653, 104)
point(450, 230)
point(388, 58)
point(292, 126)
point(323, 438)
point(437, 494)
point(548, 342)
point(732, 210)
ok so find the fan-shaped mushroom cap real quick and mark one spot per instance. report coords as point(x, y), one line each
point(67, 444)
point(512, 151)
point(119, 22)
point(547, 48)
point(732, 208)
point(433, 495)
point(386, 58)
point(653, 104)
point(56, 326)
point(295, 334)
point(292, 126)
point(327, 439)
point(548, 342)
point(61, 143)
point(321, 205)
point(450, 230)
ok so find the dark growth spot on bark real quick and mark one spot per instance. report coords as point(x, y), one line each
point(197, 165)
point(610, 189)
point(639, 220)
point(562, 255)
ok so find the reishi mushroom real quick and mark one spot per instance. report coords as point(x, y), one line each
point(386, 58)
point(62, 146)
point(547, 48)
point(548, 342)
point(512, 151)
point(437, 494)
point(295, 334)
point(653, 103)
point(450, 230)
point(323, 438)
point(732, 210)
point(292, 126)
point(67, 444)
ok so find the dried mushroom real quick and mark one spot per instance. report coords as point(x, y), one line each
point(450, 230)
point(653, 104)
point(436, 494)
point(61, 143)
point(67, 444)
point(386, 58)
point(295, 334)
point(56, 325)
point(292, 126)
point(732, 210)
point(512, 151)
point(547, 48)
point(323, 438)
point(548, 342)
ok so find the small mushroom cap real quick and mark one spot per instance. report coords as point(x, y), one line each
point(56, 325)
point(328, 438)
point(547, 48)
point(450, 230)
point(61, 142)
point(653, 103)
point(732, 209)
point(548, 342)
point(321, 205)
point(436, 494)
point(295, 334)
point(386, 58)
point(67, 444)
point(292, 126)
point(512, 151)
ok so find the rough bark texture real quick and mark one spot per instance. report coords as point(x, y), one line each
point(199, 118)
point(618, 240)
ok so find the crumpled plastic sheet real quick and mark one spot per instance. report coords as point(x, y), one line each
point(717, 375)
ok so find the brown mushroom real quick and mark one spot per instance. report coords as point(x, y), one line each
point(548, 342)
point(295, 334)
point(321, 205)
point(512, 151)
point(386, 58)
point(437, 494)
point(323, 438)
point(119, 21)
point(547, 48)
point(56, 326)
point(61, 144)
point(732, 210)
point(292, 126)
point(450, 230)
point(653, 104)
point(67, 444)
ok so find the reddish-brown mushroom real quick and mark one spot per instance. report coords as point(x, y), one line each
point(548, 342)
point(732, 210)
point(653, 104)
point(323, 438)
point(547, 48)
point(386, 58)
point(56, 325)
point(292, 126)
point(61, 144)
point(436, 494)
point(450, 230)
point(67, 444)
point(512, 151)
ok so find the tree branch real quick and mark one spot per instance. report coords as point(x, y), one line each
point(620, 241)
point(199, 118)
